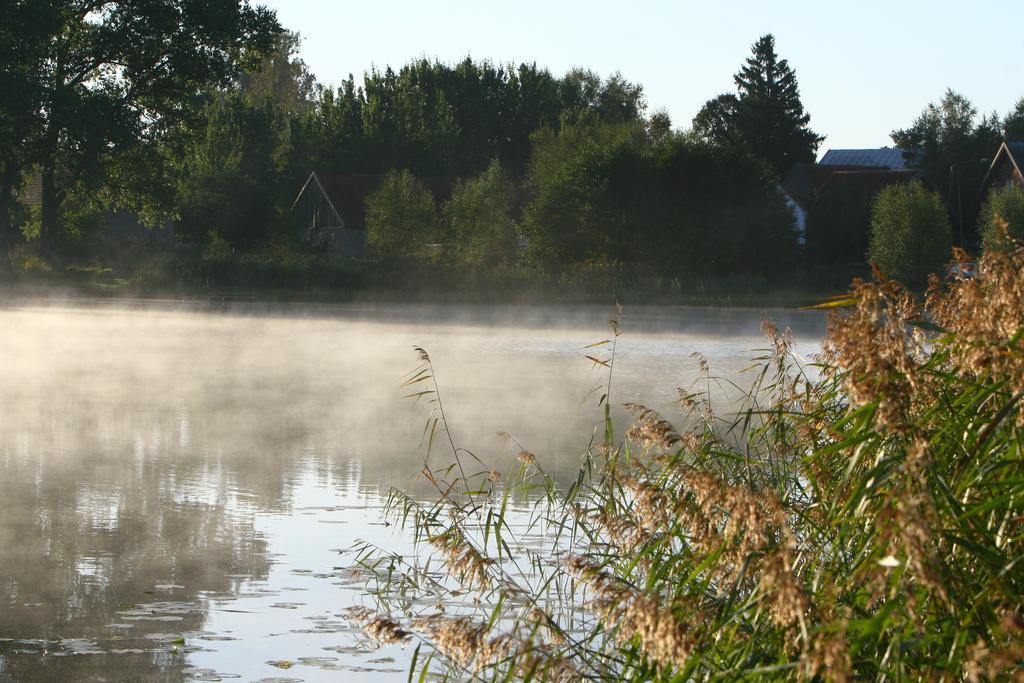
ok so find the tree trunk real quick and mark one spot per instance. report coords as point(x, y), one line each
point(49, 218)
point(8, 181)
point(5, 228)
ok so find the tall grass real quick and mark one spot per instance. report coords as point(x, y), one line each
point(859, 517)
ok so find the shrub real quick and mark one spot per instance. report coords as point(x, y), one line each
point(400, 216)
point(857, 520)
point(910, 232)
point(1006, 203)
point(481, 231)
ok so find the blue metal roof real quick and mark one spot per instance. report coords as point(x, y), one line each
point(884, 157)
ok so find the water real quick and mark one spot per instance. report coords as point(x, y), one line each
point(176, 483)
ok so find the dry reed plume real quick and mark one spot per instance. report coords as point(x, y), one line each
point(858, 519)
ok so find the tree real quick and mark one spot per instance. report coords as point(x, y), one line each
point(401, 216)
point(1005, 204)
point(21, 55)
point(716, 121)
point(118, 74)
point(679, 207)
point(911, 235)
point(479, 219)
point(229, 176)
point(241, 164)
point(582, 205)
point(584, 96)
point(659, 127)
point(1013, 124)
point(408, 123)
point(956, 148)
point(282, 77)
point(766, 113)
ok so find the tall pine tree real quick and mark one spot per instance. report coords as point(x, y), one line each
point(766, 113)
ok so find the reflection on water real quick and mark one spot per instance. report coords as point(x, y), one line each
point(175, 485)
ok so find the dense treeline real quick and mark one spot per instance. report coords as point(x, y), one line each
point(216, 129)
point(260, 140)
point(551, 170)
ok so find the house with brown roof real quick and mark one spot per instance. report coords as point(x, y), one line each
point(863, 169)
point(1007, 168)
point(331, 207)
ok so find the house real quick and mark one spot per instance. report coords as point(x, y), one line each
point(1007, 169)
point(801, 187)
point(851, 171)
point(331, 207)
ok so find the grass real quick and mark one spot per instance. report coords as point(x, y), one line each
point(858, 518)
point(285, 276)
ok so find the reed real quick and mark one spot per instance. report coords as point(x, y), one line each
point(859, 518)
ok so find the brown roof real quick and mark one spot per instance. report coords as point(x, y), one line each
point(868, 181)
point(804, 181)
point(808, 181)
point(347, 192)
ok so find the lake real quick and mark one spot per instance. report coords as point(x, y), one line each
point(177, 481)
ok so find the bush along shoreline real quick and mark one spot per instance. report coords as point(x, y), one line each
point(858, 517)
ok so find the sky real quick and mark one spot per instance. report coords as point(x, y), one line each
point(864, 68)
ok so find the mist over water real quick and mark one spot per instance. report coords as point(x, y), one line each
point(175, 482)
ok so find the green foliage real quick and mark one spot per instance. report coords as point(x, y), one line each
point(576, 214)
point(766, 113)
point(401, 216)
point(1013, 124)
point(679, 207)
point(124, 74)
point(478, 217)
point(955, 148)
point(230, 175)
point(911, 235)
point(659, 127)
point(217, 248)
point(849, 520)
point(452, 120)
point(239, 166)
point(21, 34)
point(1007, 204)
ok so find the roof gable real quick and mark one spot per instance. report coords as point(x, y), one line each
point(347, 192)
point(1010, 152)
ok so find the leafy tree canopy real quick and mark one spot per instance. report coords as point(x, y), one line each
point(671, 205)
point(441, 119)
point(401, 217)
point(956, 146)
point(1002, 219)
point(115, 75)
point(481, 230)
point(911, 236)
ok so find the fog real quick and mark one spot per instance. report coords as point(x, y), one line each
point(156, 458)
